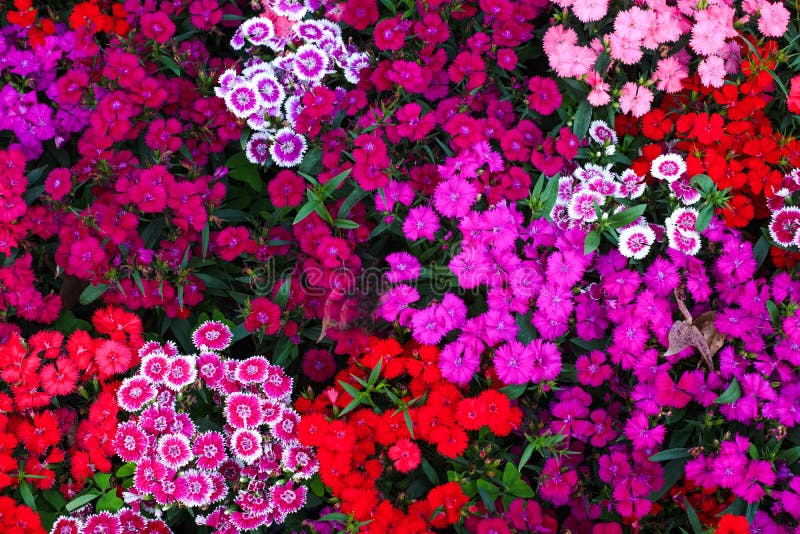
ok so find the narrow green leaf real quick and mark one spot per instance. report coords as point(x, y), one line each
point(345, 224)
point(205, 236)
point(526, 455)
point(592, 242)
point(626, 217)
point(409, 423)
point(761, 250)
point(331, 185)
point(583, 116)
point(304, 211)
point(704, 218)
point(80, 500)
point(375, 373)
point(514, 391)
point(26, 494)
point(92, 293)
point(169, 63)
point(703, 182)
point(694, 521)
point(731, 394)
point(670, 454)
point(430, 472)
point(126, 470)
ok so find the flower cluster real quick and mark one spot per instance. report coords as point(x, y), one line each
point(303, 51)
point(705, 39)
point(431, 420)
point(246, 474)
point(48, 440)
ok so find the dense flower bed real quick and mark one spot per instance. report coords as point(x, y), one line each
point(358, 266)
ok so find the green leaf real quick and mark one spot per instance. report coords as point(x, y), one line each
point(673, 472)
point(345, 224)
point(138, 279)
point(514, 391)
point(430, 472)
point(205, 236)
point(109, 502)
point(56, 500)
point(336, 516)
point(80, 500)
point(92, 293)
point(626, 217)
point(520, 488)
point(694, 521)
point(317, 487)
point(603, 60)
point(305, 210)
point(26, 494)
point(704, 218)
point(282, 296)
point(311, 161)
point(703, 182)
point(790, 455)
point(670, 454)
point(774, 314)
point(731, 394)
point(592, 242)
point(548, 198)
point(526, 455)
point(409, 423)
point(240, 169)
point(351, 200)
point(331, 185)
point(583, 116)
point(103, 480)
point(169, 63)
point(510, 474)
point(489, 493)
point(761, 250)
point(525, 330)
point(375, 373)
point(126, 470)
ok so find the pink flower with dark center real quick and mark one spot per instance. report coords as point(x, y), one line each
point(174, 450)
point(277, 384)
point(67, 525)
point(288, 148)
point(244, 99)
point(287, 498)
point(253, 370)
point(300, 460)
point(130, 442)
point(635, 241)
point(210, 368)
point(195, 488)
point(182, 372)
point(242, 410)
point(286, 429)
point(668, 167)
point(271, 411)
point(212, 335)
point(258, 30)
point(209, 449)
point(784, 225)
point(102, 523)
point(246, 445)
point(310, 64)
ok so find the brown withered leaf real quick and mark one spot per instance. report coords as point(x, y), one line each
point(700, 333)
